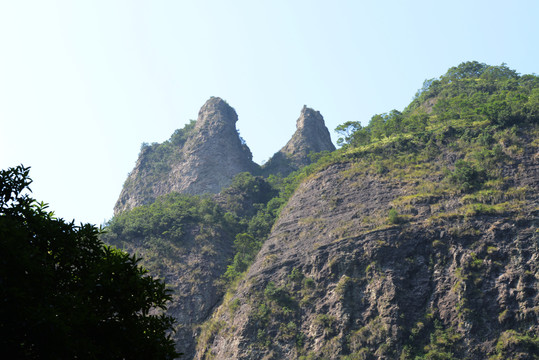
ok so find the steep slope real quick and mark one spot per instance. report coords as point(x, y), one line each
point(311, 137)
point(419, 240)
point(202, 158)
point(189, 241)
point(333, 283)
point(194, 244)
point(185, 241)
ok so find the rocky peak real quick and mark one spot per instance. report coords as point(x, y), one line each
point(309, 117)
point(216, 127)
point(207, 161)
point(216, 115)
point(311, 136)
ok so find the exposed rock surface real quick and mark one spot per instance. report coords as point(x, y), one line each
point(333, 280)
point(311, 136)
point(205, 163)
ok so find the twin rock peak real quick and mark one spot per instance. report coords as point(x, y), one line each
point(206, 157)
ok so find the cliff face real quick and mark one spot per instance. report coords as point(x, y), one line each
point(311, 137)
point(205, 162)
point(342, 278)
point(185, 241)
point(215, 153)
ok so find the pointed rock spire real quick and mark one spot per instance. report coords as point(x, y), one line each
point(311, 136)
point(216, 115)
point(204, 163)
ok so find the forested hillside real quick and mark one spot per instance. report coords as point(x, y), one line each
point(417, 239)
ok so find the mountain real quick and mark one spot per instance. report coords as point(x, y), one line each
point(417, 239)
point(311, 137)
point(202, 158)
point(187, 239)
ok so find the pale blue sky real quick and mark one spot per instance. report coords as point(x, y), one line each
point(84, 83)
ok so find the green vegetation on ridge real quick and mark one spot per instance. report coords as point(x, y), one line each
point(450, 141)
point(494, 96)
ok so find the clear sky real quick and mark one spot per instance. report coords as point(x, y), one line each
point(84, 83)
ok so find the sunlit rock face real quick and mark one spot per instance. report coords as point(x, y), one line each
point(311, 136)
point(207, 162)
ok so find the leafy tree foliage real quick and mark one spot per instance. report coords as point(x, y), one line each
point(470, 92)
point(179, 137)
point(252, 201)
point(165, 219)
point(246, 249)
point(466, 176)
point(347, 130)
point(245, 211)
point(247, 194)
point(66, 295)
point(393, 216)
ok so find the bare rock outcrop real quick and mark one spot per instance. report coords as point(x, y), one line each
point(215, 154)
point(203, 163)
point(311, 136)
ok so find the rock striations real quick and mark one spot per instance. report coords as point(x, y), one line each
point(329, 284)
point(207, 161)
point(311, 136)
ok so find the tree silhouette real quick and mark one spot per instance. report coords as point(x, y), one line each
point(66, 295)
